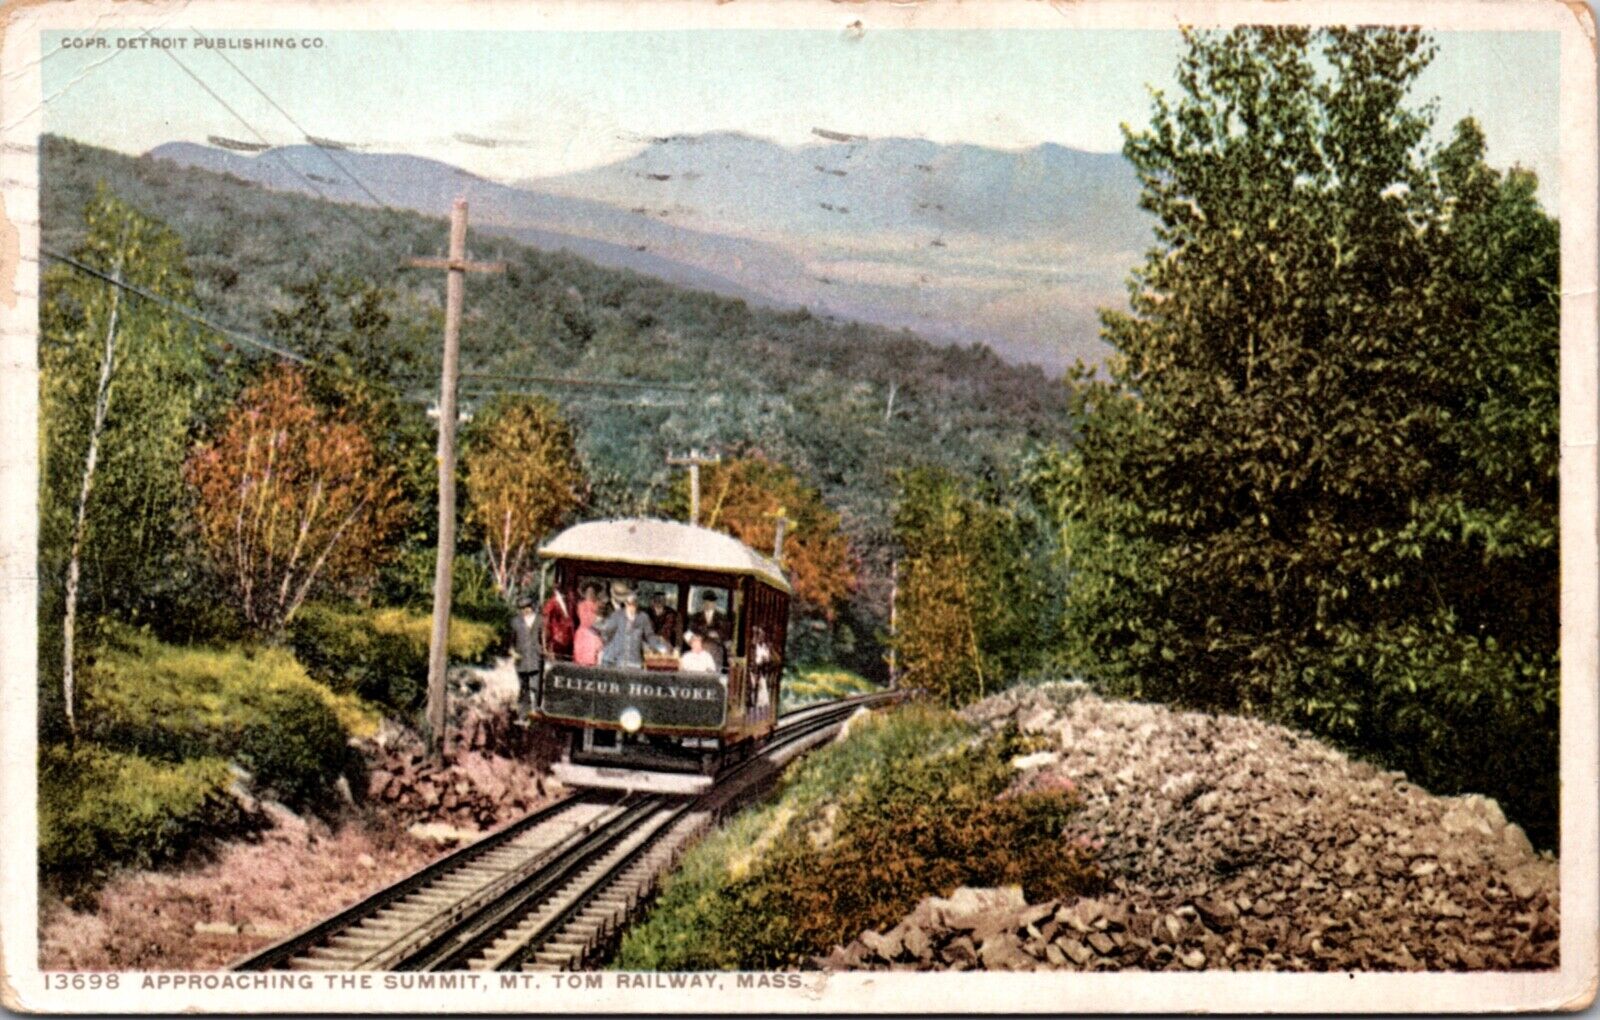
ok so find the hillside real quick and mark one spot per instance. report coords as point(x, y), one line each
point(1232, 844)
point(810, 391)
point(1203, 841)
point(962, 242)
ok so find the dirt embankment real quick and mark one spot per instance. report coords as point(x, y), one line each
point(247, 893)
point(1230, 843)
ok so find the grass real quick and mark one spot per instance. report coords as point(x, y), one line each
point(913, 804)
point(823, 684)
point(381, 655)
point(99, 808)
point(163, 730)
point(253, 706)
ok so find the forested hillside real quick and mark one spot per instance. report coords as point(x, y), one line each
point(840, 402)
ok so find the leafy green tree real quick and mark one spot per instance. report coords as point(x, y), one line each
point(523, 477)
point(378, 359)
point(1319, 480)
point(119, 378)
point(973, 596)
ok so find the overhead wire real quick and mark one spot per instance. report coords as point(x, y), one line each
point(186, 312)
point(560, 380)
point(310, 139)
point(283, 352)
point(337, 207)
point(280, 351)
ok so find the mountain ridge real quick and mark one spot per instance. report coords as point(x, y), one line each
point(1014, 248)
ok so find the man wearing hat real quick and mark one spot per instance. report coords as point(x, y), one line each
point(626, 632)
point(712, 626)
point(525, 653)
point(663, 618)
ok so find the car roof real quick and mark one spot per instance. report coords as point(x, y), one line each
point(649, 542)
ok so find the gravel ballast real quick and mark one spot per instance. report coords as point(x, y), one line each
point(1231, 843)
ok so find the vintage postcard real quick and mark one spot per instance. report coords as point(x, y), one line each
point(786, 506)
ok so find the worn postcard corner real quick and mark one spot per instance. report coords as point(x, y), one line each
point(773, 507)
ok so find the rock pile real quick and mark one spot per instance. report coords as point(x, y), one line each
point(493, 771)
point(1232, 843)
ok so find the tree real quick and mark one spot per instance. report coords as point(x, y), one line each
point(522, 477)
point(292, 499)
point(1318, 481)
point(973, 608)
point(119, 377)
point(745, 496)
point(377, 347)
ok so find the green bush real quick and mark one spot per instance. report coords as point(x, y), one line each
point(379, 654)
point(823, 684)
point(911, 805)
point(256, 707)
point(99, 808)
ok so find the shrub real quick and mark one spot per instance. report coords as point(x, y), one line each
point(379, 654)
point(256, 707)
point(99, 807)
point(911, 805)
point(809, 685)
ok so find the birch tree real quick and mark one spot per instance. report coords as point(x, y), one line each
point(119, 378)
point(293, 500)
point(522, 477)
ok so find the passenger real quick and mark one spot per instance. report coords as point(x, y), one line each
point(697, 659)
point(558, 629)
point(587, 644)
point(526, 653)
point(761, 651)
point(626, 633)
point(664, 619)
point(712, 626)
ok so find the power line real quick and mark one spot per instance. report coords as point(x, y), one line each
point(558, 380)
point(326, 151)
point(188, 313)
point(338, 207)
point(586, 400)
point(300, 359)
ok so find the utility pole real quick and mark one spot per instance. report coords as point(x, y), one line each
point(693, 460)
point(894, 632)
point(456, 268)
point(783, 522)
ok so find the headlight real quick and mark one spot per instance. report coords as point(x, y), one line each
point(631, 720)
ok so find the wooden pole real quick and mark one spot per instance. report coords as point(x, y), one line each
point(782, 522)
point(456, 267)
point(894, 633)
point(693, 460)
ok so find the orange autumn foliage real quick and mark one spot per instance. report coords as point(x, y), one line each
point(291, 500)
point(744, 497)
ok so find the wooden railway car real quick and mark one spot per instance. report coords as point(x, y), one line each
point(652, 724)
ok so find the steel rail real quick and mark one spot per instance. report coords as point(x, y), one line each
point(554, 871)
point(451, 934)
point(294, 945)
point(800, 725)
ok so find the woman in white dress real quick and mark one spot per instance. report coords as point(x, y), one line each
point(697, 659)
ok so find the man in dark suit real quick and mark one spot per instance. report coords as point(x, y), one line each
point(526, 653)
point(664, 618)
point(712, 626)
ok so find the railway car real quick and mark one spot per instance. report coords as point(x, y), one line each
point(663, 719)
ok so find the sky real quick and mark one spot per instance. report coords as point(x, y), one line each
point(558, 102)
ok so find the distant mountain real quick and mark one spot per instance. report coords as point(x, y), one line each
point(1014, 248)
point(592, 230)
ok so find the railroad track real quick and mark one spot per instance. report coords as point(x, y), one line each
point(550, 890)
